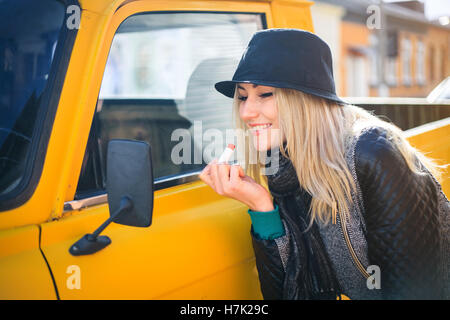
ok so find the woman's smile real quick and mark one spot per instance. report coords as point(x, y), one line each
point(257, 129)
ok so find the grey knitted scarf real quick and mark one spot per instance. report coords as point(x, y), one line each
point(309, 272)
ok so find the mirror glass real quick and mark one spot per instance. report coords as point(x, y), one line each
point(129, 174)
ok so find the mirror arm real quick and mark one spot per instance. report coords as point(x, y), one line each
point(125, 205)
point(91, 243)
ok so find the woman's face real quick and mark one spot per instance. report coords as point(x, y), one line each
point(258, 109)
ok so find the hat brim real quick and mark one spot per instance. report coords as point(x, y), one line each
point(227, 88)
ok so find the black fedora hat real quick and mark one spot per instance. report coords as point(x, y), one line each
point(285, 58)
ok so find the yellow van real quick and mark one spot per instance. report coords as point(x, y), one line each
point(85, 72)
point(77, 74)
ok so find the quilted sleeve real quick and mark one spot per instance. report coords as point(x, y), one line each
point(402, 220)
point(271, 256)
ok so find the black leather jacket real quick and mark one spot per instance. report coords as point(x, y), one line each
point(405, 217)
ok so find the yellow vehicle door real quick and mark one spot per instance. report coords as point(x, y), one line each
point(145, 71)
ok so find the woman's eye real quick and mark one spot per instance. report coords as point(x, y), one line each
point(242, 98)
point(265, 95)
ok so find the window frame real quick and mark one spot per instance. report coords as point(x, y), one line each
point(99, 196)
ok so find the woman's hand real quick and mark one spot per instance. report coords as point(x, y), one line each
point(231, 181)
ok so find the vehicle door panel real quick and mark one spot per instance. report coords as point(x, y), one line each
point(198, 246)
point(24, 273)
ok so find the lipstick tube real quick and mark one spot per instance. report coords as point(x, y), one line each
point(227, 153)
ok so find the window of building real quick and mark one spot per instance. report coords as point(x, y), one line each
point(357, 82)
point(391, 71)
point(420, 63)
point(444, 57)
point(431, 63)
point(391, 65)
point(406, 61)
point(373, 58)
point(440, 63)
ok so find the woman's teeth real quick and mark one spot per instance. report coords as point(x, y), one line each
point(262, 127)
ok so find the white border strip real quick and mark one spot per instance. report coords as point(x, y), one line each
point(395, 101)
point(427, 127)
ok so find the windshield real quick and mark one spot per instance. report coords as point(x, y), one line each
point(29, 32)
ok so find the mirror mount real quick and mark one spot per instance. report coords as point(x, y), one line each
point(92, 242)
point(129, 186)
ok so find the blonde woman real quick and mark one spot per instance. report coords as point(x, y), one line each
point(351, 208)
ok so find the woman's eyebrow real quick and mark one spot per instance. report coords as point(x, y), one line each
point(254, 86)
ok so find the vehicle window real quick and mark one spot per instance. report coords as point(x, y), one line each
point(158, 85)
point(29, 32)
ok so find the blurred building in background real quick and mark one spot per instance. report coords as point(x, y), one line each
point(384, 49)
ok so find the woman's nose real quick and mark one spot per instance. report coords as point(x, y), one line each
point(248, 110)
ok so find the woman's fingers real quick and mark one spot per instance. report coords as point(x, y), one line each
point(225, 179)
point(241, 171)
point(215, 175)
point(222, 176)
point(231, 181)
point(236, 173)
point(224, 172)
point(205, 175)
point(216, 178)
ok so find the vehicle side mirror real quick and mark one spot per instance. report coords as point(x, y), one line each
point(129, 184)
point(129, 174)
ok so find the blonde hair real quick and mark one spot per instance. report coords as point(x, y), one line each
point(317, 132)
